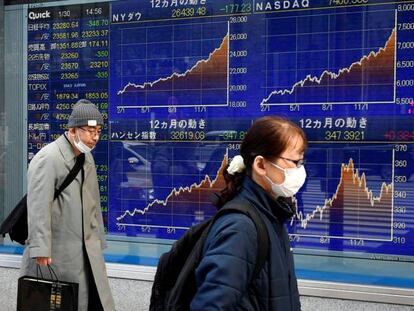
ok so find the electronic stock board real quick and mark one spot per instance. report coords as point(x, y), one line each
point(179, 82)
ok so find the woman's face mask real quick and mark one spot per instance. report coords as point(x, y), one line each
point(294, 179)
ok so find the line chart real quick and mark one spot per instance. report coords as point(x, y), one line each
point(162, 204)
point(198, 65)
point(353, 209)
point(370, 78)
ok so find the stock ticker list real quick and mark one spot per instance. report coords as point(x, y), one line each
point(67, 60)
point(179, 83)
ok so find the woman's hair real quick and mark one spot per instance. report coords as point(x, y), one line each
point(268, 136)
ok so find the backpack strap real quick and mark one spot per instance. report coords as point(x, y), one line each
point(243, 206)
point(80, 160)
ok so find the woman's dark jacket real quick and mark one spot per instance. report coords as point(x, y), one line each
point(224, 274)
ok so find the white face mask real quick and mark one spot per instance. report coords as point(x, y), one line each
point(81, 146)
point(294, 179)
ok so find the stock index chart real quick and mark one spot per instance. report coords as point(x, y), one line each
point(181, 81)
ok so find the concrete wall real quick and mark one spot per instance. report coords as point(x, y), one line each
point(131, 295)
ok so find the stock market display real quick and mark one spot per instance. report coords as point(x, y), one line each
point(180, 81)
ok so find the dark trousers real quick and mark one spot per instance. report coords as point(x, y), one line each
point(94, 302)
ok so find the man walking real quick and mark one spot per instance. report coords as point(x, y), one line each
point(67, 232)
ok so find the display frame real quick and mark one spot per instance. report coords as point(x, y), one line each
point(310, 286)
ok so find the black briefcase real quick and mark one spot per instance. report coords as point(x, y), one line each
point(38, 294)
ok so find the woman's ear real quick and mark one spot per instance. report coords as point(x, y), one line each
point(259, 166)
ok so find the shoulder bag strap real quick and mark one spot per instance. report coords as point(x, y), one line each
point(80, 160)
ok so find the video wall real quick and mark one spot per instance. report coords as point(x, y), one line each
point(180, 81)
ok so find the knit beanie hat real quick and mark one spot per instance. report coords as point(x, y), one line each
point(85, 113)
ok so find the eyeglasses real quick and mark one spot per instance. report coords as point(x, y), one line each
point(92, 131)
point(298, 163)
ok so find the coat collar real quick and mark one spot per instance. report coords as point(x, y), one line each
point(66, 149)
point(279, 209)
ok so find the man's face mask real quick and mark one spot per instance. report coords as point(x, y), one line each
point(80, 145)
point(294, 179)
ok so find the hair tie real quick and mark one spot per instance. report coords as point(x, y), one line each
point(236, 165)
